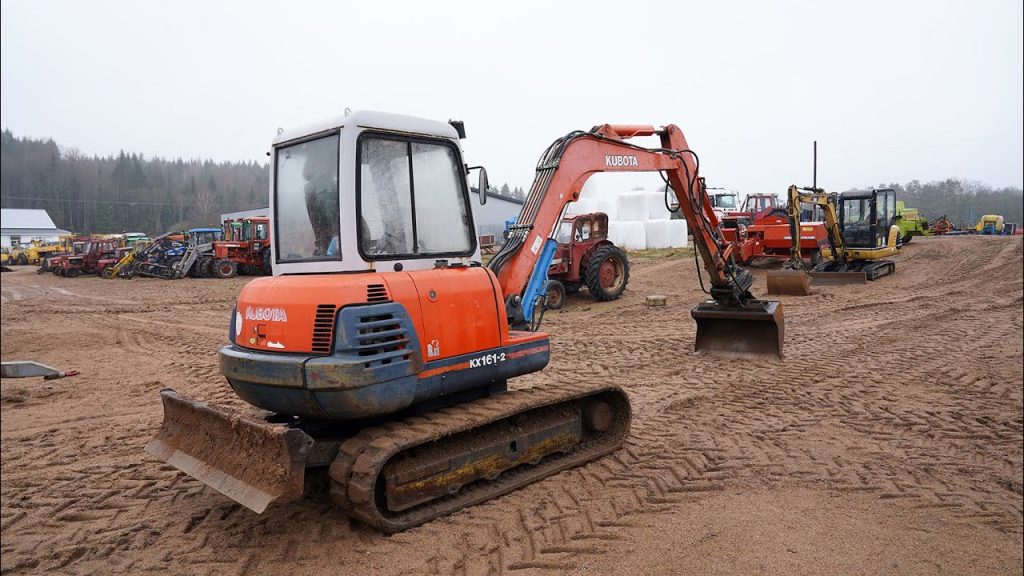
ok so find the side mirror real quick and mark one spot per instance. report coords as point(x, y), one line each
point(483, 185)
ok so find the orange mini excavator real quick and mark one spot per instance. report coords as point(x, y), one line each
point(381, 348)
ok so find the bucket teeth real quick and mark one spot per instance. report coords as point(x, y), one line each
point(753, 330)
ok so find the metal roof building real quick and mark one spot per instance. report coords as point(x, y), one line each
point(20, 226)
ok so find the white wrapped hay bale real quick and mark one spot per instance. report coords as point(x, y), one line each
point(610, 207)
point(614, 232)
point(656, 206)
point(628, 235)
point(632, 207)
point(583, 206)
point(659, 233)
point(678, 234)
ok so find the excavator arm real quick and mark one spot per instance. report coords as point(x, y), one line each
point(725, 324)
point(827, 202)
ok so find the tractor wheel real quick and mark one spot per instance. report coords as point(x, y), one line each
point(554, 295)
point(607, 273)
point(908, 238)
point(23, 259)
point(225, 269)
point(72, 272)
point(208, 267)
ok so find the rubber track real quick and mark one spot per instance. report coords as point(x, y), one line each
point(361, 458)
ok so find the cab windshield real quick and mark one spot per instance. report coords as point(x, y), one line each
point(727, 201)
point(412, 199)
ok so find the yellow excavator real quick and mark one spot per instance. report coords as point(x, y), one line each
point(861, 234)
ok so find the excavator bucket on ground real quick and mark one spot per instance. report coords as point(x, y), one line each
point(753, 330)
point(254, 463)
point(789, 282)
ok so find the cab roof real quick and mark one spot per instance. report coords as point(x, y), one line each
point(864, 193)
point(370, 119)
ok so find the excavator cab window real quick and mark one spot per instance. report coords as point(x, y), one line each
point(306, 199)
point(412, 199)
point(858, 217)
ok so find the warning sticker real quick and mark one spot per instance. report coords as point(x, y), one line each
point(536, 245)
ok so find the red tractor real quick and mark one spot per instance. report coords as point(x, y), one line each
point(245, 249)
point(754, 209)
point(586, 257)
point(103, 263)
point(88, 261)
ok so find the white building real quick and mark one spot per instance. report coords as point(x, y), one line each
point(19, 227)
point(490, 218)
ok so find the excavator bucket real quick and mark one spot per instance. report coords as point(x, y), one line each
point(754, 330)
point(838, 278)
point(790, 282)
point(252, 462)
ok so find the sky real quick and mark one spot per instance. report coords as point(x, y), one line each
point(891, 90)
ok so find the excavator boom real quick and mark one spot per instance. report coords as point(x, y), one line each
point(733, 322)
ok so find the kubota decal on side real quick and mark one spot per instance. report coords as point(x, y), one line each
point(612, 160)
point(266, 314)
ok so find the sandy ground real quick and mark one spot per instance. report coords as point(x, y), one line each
point(889, 441)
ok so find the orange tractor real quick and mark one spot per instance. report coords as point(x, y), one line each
point(245, 249)
point(381, 348)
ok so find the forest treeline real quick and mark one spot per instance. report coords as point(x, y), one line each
point(127, 192)
point(131, 193)
point(963, 202)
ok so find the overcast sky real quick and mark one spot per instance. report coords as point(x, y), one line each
point(891, 90)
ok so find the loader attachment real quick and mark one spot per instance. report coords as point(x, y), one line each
point(752, 330)
point(252, 462)
point(838, 278)
point(791, 282)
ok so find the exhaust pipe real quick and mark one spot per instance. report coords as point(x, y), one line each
point(753, 330)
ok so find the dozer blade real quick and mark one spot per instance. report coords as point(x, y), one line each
point(253, 463)
point(838, 278)
point(791, 282)
point(754, 330)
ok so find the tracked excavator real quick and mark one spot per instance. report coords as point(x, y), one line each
point(381, 348)
point(861, 234)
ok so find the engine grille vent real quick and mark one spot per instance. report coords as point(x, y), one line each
point(376, 293)
point(323, 328)
point(382, 339)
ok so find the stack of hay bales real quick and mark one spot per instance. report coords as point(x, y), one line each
point(637, 220)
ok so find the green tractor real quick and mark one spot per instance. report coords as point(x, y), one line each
point(910, 222)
